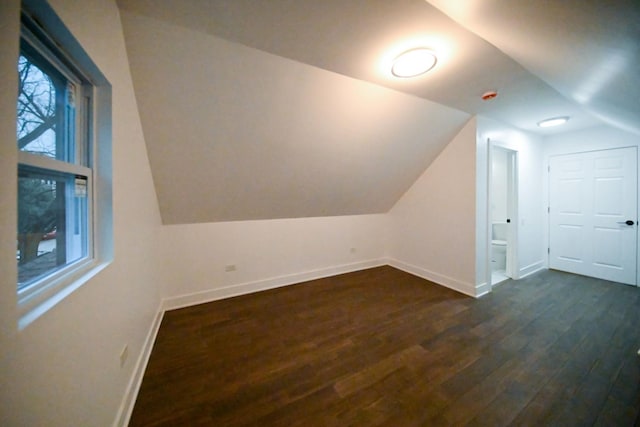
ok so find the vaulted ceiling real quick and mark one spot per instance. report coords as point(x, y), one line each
point(587, 50)
point(286, 108)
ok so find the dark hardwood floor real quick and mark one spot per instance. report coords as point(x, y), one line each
point(382, 347)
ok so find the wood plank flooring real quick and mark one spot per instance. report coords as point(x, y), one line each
point(383, 348)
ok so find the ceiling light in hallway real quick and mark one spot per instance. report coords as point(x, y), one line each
point(555, 121)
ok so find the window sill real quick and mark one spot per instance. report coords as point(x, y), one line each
point(34, 305)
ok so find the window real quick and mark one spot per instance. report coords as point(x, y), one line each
point(63, 113)
point(54, 171)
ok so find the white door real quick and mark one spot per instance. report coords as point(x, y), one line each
point(593, 214)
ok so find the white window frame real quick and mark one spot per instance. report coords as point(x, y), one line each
point(47, 34)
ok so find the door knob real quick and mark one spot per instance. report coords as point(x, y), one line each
point(627, 222)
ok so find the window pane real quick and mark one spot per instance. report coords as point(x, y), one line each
point(46, 110)
point(36, 110)
point(52, 222)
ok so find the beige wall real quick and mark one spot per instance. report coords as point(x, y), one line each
point(531, 224)
point(63, 369)
point(433, 226)
point(265, 253)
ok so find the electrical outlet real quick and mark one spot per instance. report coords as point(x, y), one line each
point(230, 267)
point(123, 355)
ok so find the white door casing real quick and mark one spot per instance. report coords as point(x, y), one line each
point(511, 182)
point(592, 195)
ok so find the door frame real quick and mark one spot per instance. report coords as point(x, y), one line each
point(512, 269)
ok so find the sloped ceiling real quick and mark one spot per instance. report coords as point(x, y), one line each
point(234, 133)
point(588, 50)
point(286, 108)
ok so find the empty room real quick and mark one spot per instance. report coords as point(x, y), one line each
point(319, 213)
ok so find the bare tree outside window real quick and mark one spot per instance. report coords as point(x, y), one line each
point(36, 110)
point(36, 134)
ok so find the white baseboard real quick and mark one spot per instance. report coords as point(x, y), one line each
point(131, 393)
point(482, 289)
point(448, 282)
point(187, 300)
point(531, 268)
point(171, 303)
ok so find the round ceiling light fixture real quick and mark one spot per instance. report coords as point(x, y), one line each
point(414, 62)
point(554, 121)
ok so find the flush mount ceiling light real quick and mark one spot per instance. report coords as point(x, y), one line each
point(414, 62)
point(555, 121)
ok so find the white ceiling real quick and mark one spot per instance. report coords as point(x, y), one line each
point(544, 58)
point(234, 133)
point(588, 50)
point(292, 90)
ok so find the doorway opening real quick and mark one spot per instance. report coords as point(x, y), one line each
point(502, 227)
